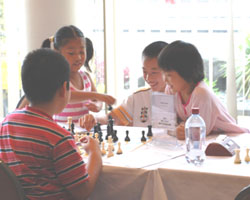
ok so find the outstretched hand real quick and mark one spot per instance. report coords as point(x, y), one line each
point(108, 99)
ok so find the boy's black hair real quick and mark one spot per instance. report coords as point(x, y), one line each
point(62, 36)
point(153, 49)
point(185, 59)
point(43, 72)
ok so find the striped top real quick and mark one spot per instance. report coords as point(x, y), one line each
point(77, 109)
point(42, 154)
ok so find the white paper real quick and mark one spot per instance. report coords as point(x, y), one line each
point(163, 111)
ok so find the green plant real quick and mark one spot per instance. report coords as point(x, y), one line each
point(243, 72)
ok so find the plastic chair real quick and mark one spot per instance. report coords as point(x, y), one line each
point(244, 194)
point(10, 187)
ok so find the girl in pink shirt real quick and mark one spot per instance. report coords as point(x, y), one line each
point(184, 72)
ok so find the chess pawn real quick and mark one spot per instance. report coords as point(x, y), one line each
point(247, 157)
point(69, 121)
point(103, 151)
point(237, 156)
point(119, 151)
point(127, 139)
point(115, 138)
point(143, 138)
point(97, 137)
point(149, 134)
point(110, 152)
point(110, 142)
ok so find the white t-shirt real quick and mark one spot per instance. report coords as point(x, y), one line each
point(136, 109)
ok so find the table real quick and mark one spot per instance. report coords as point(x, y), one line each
point(167, 176)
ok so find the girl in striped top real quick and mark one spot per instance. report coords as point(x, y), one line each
point(71, 43)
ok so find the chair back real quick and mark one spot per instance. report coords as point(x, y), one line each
point(10, 187)
point(244, 194)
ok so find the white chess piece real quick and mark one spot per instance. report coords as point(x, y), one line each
point(110, 152)
point(97, 138)
point(103, 151)
point(247, 157)
point(69, 121)
point(119, 151)
point(237, 156)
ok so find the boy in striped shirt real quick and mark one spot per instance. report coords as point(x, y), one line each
point(42, 154)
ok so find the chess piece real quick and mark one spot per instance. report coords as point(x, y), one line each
point(149, 134)
point(127, 139)
point(110, 142)
point(108, 131)
point(100, 136)
point(110, 108)
point(96, 129)
point(110, 152)
point(143, 138)
point(103, 151)
point(119, 151)
point(72, 128)
point(69, 121)
point(247, 157)
point(237, 156)
point(115, 138)
point(97, 137)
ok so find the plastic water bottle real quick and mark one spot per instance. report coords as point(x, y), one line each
point(195, 133)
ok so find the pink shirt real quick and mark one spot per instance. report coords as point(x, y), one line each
point(78, 109)
point(213, 112)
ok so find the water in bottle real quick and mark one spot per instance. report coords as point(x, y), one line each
point(195, 133)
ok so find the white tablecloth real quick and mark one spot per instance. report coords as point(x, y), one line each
point(158, 170)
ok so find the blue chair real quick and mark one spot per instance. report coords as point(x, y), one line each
point(244, 194)
point(10, 187)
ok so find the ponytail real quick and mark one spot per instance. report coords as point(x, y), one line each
point(46, 43)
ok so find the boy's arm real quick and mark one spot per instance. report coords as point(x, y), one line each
point(94, 166)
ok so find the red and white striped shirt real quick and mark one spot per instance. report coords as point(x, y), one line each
point(42, 154)
point(78, 109)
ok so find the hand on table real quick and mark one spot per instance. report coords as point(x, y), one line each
point(180, 131)
point(87, 121)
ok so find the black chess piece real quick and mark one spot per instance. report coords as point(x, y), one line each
point(108, 132)
point(110, 107)
point(100, 136)
point(143, 138)
point(127, 139)
point(72, 128)
point(96, 129)
point(150, 133)
point(98, 126)
point(115, 138)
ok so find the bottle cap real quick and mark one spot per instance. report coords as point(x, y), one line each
point(195, 110)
